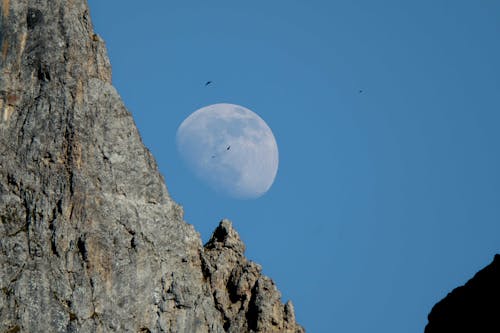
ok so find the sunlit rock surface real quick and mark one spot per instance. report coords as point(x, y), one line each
point(90, 240)
point(248, 301)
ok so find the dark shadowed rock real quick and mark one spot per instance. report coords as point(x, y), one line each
point(473, 307)
point(90, 240)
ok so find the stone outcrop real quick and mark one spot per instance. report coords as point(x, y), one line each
point(473, 307)
point(248, 300)
point(90, 240)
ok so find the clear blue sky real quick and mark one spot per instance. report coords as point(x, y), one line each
point(384, 200)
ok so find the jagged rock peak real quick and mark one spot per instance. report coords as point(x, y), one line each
point(473, 307)
point(225, 236)
point(90, 240)
point(248, 300)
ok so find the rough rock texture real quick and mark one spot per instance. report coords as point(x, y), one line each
point(473, 307)
point(248, 301)
point(90, 240)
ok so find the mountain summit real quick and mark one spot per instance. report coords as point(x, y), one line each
point(90, 240)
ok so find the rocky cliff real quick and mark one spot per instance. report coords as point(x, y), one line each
point(473, 307)
point(90, 240)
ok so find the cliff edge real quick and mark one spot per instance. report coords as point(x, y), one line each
point(90, 240)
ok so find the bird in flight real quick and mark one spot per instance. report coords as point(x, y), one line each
point(207, 83)
point(360, 91)
point(227, 148)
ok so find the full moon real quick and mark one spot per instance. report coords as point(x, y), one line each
point(230, 148)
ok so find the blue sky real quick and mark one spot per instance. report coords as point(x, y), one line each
point(385, 200)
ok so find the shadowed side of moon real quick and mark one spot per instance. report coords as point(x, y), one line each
point(230, 148)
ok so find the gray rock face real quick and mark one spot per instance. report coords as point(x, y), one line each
point(247, 300)
point(90, 240)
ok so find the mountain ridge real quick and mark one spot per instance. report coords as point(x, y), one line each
point(90, 239)
point(473, 307)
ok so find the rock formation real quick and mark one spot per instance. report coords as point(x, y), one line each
point(473, 307)
point(90, 240)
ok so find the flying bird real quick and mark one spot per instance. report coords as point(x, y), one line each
point(228, 147)
point(207, 83)
point(360, 91)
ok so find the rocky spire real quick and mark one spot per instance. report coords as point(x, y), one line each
point(90, 240)
point(248, 301)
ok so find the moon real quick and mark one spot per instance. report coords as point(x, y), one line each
point(230, 148)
